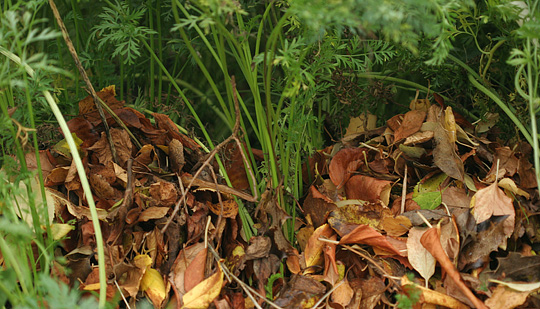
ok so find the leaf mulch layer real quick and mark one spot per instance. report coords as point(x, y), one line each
point(429, 209)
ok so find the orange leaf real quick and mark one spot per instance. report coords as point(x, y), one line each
point(431, 241)
point(364, 234)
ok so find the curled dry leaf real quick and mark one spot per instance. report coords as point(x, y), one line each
point(368, 189)
point(343, 163)
point(364, 234)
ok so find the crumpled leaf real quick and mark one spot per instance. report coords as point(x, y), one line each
point(343, 163)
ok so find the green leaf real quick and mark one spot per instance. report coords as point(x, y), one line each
point(429, 200)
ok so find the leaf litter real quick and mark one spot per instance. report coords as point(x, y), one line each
point(427, 205)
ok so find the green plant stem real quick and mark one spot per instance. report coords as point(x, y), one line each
point(503, 106)
point(82, 177)
point(490, 57)
point(532, 81)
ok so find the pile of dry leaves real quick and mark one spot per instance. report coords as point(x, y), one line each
point(429, 194)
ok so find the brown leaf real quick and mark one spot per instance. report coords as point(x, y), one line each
point(318, 206)
point(165, 193)
point(195, 272)
point(122, 144)
point(412, 122)
point(234, 164)
point(395, 226)
point(299, 290)
point(368, 189)
point(88, 109)
point(506, 298)
point(343, 163)
point(152, 213)
point(492, 201)
point(165, 123)
point(176, 155)
point(79, 212)
point(444, 155)
point(259, 247)
point(343, 294)
point(180, 266)
point(230, 208)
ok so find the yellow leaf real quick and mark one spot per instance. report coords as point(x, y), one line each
point(205, 292)
point(142, 261)
point(153, 285)
point(60, 230)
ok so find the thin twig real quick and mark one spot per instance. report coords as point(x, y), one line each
point(404, 191)
point(73, 53)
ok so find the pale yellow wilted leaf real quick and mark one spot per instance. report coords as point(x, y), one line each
point(153, 285)
point(205, 292)
point(60, 230)
point(418, 256)
point(142, 261)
